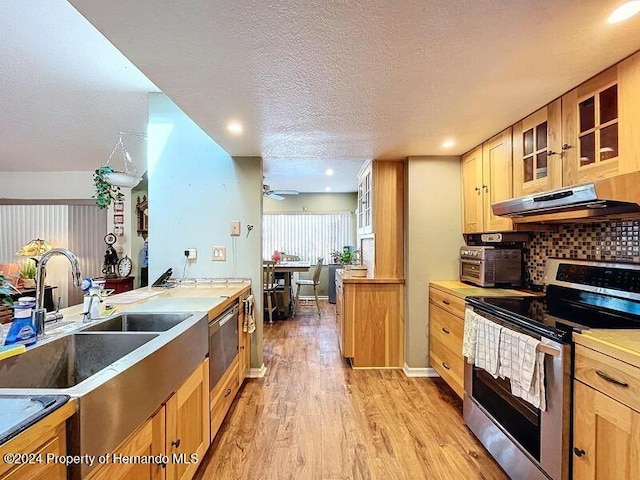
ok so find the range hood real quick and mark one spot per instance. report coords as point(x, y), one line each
point(616, 196)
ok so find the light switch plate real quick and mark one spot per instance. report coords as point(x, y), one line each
point(192, 253)
point(235, 228)
point(219, 254)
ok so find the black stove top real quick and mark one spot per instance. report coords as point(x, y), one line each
point(563, 311)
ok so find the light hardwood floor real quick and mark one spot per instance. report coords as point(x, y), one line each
point(313, 417)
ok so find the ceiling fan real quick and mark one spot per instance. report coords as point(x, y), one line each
point(276, 194)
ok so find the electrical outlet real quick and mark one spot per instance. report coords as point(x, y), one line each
point(191, 253)
point(235, 228)
point(219, 254)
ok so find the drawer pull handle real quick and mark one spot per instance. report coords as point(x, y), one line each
point(175, 443)
point(162, 464)
point(446, 302)
point(445, 330)
point(241, 347)
point(445, 366)
point(578, 451)
point(606, 377)
point(228, 392)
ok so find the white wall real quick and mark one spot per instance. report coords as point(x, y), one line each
point(46, 185)
point(433, 240)
point(195, 190)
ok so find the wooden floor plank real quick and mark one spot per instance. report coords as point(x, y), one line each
point(313, 417)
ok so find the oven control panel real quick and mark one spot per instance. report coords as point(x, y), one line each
point(625, 279)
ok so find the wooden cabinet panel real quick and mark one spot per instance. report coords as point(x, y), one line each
point(486, 179)
point(447, 301)
point(606, 437)
point(370, 322)
point(147, 440)
point(46, 436)
point(629, 113)
point(187, 426)
point(472, 220)
point(222, 396)
point(537, 150)
point(608, 375)
point(448, 364)
point(497, 178)
point(43, 471)
point(446, 328)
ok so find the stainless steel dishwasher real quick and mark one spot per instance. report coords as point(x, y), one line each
point(223, 344)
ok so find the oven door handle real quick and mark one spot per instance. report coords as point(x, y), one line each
point(471, 262)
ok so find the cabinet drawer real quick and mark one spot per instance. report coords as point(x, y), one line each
point(43, 470)
point(448, 364)
point(222, 396)
point(446, 328)
point(610, 376)
point(449, 302)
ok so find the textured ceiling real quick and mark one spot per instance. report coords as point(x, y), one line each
point(66, 91)
point(328, 82)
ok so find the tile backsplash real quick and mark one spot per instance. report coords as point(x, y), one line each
point(608, 241)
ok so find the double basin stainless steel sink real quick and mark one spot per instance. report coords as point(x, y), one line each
point(120, 370)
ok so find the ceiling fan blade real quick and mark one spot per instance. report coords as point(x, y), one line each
point(286, 192)
point(274, 196)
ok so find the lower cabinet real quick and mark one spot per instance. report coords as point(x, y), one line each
point(446, 328)
point(222, 396)
point(178, 432)
point(370, 315)
point(606, 425)
point(48, 436)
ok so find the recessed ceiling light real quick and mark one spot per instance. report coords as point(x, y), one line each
point(624, 11)
point(327, 189)
point(448, 144)
point(329, 171)
point(234, 127)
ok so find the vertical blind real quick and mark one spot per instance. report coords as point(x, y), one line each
point(310, 236)
point(79, 228)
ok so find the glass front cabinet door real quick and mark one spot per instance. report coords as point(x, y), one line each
point(537, 151)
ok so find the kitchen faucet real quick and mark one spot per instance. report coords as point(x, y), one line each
point(39, 315)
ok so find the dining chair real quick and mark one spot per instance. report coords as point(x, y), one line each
point(286, 279)
point(269, 287)
point(311, 283)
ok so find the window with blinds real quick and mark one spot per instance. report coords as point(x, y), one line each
point(310, 236)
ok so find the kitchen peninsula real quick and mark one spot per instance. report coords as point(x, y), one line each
point(176, 430)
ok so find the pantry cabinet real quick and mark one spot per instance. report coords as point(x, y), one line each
point(381, 241)
point(601, 125)
point(537, 151)
point(606, 411)
point(486, 179)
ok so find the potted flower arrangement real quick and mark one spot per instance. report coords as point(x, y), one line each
point(346, 256)
point(28, 273)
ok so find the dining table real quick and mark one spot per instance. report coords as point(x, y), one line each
point(288, 268)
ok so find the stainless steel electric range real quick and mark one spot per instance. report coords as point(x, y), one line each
point(526, 441)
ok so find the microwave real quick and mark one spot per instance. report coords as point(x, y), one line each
point(486, 266)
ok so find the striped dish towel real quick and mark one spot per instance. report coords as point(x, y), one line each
point(470, 335)
point(488, 346)
point(249, 324)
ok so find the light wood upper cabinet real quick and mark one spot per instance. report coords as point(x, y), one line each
point(601, 125)
point(365, 200)
point(487, 178)
point(537, 151)
point(472, 191)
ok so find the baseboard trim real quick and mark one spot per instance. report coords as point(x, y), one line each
point(257, 372)
point(419, 372)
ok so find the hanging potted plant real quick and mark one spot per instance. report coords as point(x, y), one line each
point(105, 191)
